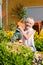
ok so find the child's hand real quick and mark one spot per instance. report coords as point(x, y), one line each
point(20, 41)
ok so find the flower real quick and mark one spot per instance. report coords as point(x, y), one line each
point(9, 33)
point(39, 36)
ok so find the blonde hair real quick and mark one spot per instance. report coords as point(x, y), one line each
point(30, 18)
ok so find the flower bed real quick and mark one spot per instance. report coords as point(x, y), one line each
point(15, 54)
point(6, 35)
point(39, 41)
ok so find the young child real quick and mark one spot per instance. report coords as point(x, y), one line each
point(28, 34)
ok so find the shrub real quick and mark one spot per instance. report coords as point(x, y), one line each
point(15, 54)
point(39, 40)
point(40, 36)
point(9, 34)
point(6, 35)
point(39, 45)
point(3, 36)
point(12, 26)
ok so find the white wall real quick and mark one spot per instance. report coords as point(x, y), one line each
point(35, 12)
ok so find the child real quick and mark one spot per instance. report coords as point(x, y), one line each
point(28, 33)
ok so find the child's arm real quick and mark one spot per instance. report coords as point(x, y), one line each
point(27, 36)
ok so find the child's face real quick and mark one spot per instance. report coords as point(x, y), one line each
point(29, 23)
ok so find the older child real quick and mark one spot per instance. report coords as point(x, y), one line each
point(28, 34)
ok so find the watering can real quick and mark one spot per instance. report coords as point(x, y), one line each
point(17, 33)
point(17, 36)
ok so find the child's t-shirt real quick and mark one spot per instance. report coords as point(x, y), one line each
point(30, 41)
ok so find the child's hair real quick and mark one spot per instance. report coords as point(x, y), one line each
point(32, 20)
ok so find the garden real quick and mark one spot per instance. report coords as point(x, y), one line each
point(15, 53)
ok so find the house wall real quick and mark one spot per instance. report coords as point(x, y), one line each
point(13, 3)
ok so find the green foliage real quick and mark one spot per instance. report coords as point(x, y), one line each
point(12, 25)
point(42, 63)
point(3, 36)
point(39, 40)
point(0, 28)
point(19, 11)
point(39, 45)
point(21, 56)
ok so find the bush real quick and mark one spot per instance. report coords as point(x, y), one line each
point(39, 40)
point(12, 26)
point(39, 36)
point(39, 45)
point(6, 35)
point(3, 36)
point(15, 54)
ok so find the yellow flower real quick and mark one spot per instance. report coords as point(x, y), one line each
point(40, 36)
point(10, 33)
